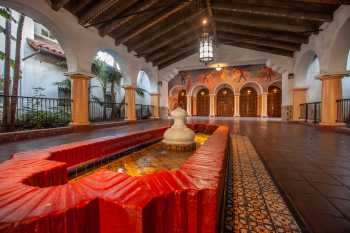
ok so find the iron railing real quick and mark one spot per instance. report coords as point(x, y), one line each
point(343, 111)
point(36, 112)
point(310, 112)
point(143, 111)
point(106, 111)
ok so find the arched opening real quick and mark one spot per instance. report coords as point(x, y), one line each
point(143, 97)
point(248, 102)
point(36, 93)
point(346, 80)
point(225, 102)
point(274, 101)
point(203, 102)
point(106, 95)
point(315, 85)
point(182, 100)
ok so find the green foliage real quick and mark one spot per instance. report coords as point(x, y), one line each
point(35, 118)
point(66, 84)
point(5, 13)
point(1, 84)
point(12, 62)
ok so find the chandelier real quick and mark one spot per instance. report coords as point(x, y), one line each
point(206, 46)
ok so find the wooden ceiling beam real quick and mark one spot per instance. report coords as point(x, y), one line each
point(185, 43)
point(116, 23)
point(171, 40)
point(272, 11)
point(174, 54)
point(149, 40)
point(154, 22)
point(58, 4)
point(266, 34)
point(96, 10)
point(266, 23)
point(179, 57)
point(267, 49)
point(259, 41)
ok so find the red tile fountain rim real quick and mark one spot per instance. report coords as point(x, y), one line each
point(35, 195)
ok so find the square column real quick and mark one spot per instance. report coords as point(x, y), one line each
point(331, 92)
point(194, 106)
point(155, 100)
point(80, 97)
point(259, 101)
point(212, 105)
point(189, 105)
point(299, 97)
point(130, 113)
point(236, 110)
point(264, 105)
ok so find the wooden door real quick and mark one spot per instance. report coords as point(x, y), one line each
point(248, 102)
point(274, 101)
point(182, 100)
point(203, 102)
point(225, 102)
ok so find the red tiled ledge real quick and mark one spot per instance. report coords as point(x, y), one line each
point(35, 195)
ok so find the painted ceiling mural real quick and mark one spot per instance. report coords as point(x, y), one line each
point(236, 76)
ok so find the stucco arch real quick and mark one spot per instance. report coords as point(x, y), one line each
point(301, 67)
point(196, 88)
point(340, 46)
point(259, 89)
point(38, 12)
point(176, 89)
point(277, 83)
point(221, 85)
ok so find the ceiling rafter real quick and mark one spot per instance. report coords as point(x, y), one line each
point(98, 9)
point(139, 44)
point(153, 23)
point(116, 23)
point(272, 11)
point(177, 58)
point(58, 4)
point(260, 41)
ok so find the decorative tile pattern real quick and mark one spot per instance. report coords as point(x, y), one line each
point(257, 204)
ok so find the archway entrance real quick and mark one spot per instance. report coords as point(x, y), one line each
point(248, 102)
point(182, 100)
point(225, 102)
point(274, 101)
point(203, 102)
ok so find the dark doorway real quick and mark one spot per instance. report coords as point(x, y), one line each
point(248, 102)
point(203, 102)
point(274, 101)
point(225, 102)
point(182, 100)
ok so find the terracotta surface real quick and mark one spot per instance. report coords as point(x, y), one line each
point(39, 199)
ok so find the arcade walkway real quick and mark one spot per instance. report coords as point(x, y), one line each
point(310, 166)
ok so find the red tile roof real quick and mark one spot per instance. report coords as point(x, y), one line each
point(46, 46)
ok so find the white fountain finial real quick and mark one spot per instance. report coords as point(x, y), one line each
point(179, 136)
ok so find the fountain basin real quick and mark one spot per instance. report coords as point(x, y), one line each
point(36, 197)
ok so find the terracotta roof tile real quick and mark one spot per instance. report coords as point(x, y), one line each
point(46, 46)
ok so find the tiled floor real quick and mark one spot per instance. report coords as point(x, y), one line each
point(257, 203)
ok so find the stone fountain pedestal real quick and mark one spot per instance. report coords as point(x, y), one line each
point(179, 137)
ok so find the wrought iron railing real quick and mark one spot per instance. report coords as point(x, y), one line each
point(35, 112)
point(143, 111)
point(310, 112)
point(343, 111)
point(106, 111)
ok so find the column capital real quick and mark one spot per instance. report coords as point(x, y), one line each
point(237, 94)
point(333, 75)
point(155, 94)
point(300, 89)
point(212, 94)
point(129, 86)
point(81, 75)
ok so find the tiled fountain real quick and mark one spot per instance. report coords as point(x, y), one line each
point(180, 194)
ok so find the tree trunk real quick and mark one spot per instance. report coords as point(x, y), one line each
point(7, 72)
point(113, 114)
point(17, 71)
point(104, 89)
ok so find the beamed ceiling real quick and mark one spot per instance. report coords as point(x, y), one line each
point(165, 32)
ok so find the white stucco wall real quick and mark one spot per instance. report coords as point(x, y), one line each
point(81, 44)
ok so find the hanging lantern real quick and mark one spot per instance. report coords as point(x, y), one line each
point(206, 51)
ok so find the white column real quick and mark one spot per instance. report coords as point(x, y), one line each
point(236, 112)
point(80, 97)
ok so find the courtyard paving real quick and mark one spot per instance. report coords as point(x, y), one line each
point(311, 167)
